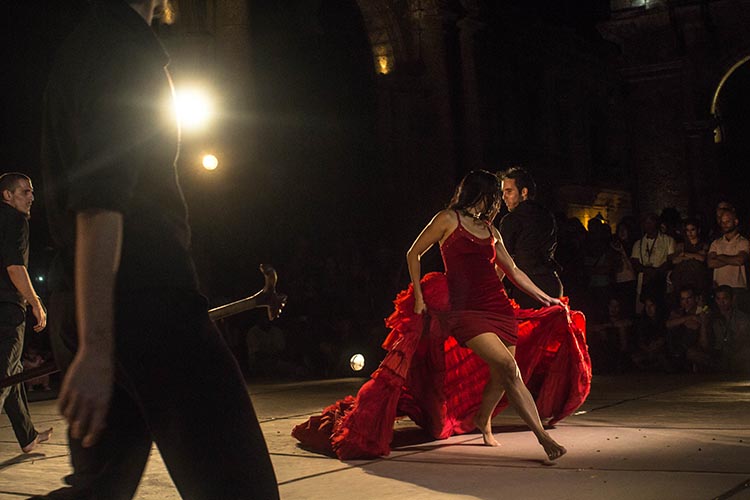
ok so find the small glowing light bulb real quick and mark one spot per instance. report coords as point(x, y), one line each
point(357, 362)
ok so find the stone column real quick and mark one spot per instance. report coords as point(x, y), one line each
point(472, 156)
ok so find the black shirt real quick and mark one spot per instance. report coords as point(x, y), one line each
point(110, 142)
point(14, 250)
point(530, 235)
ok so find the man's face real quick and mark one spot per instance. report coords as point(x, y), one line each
point(728, 222)
point(650, 307)
point(687, 301)
point(511, 196)
point(723, 302)
point(721, 208)
point(21, 197)
point(691, 232)
point(650, 225)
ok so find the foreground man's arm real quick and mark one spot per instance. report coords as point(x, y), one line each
point(87, 388)
point(19, 276)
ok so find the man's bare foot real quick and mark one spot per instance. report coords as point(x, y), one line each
point(486, 430)
point(40, 438)
point(552, 448)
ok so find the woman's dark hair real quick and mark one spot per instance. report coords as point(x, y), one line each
point(475, 187)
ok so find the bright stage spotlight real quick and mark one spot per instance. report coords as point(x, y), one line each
point(210, 162)
point(357, 362)
point(193, 107)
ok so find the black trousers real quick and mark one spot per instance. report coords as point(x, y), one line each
point(177, 385)
point(13, 398)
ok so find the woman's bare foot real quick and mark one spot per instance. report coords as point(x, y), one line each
point(552, 448)
point(486, 430)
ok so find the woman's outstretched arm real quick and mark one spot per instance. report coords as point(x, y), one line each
point(438, 228)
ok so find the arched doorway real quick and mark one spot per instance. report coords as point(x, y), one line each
point(730, 108)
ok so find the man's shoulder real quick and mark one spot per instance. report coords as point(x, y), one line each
point(12, 218)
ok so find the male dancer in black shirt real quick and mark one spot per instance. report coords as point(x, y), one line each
point(16, 291)
point(529, 232)
point(150, 366)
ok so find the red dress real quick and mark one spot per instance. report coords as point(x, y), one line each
point(479, 303)
point(428, 376)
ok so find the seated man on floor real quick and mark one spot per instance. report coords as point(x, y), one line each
point(731, 333)
point(688, 333)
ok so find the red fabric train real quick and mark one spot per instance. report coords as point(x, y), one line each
point(430, 378)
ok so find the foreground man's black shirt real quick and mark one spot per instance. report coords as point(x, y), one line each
point(14, 250)
point(530, 235)
point(110, 142)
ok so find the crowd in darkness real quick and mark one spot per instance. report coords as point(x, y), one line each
point(661, 293)
point(655, 291)
point(647, 286)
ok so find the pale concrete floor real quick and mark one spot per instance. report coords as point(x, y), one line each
point(641, 437)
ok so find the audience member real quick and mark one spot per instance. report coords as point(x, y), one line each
point(34, 359)
point(600, 263)
point(624, 280)
point(609, 340)
point(650, 350)
point(687, 333)
point(689, 260)
point(728, 256)
point(731, 333)
point(650, 259)
point(570, 256)
point(721, 207)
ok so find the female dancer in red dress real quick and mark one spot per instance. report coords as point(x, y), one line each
point(452, 344)
point(481, 315)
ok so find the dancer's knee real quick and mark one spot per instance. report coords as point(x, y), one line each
point(504, 372)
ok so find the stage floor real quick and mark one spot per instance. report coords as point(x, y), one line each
point(637, 436)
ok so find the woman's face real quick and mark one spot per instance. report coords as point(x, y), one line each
point(622, 232)
point(691, 231)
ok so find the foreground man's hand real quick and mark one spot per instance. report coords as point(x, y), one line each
point(85, 396)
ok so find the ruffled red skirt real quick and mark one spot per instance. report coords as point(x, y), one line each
point(430, 378)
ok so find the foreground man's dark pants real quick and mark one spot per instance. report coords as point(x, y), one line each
point(178, 385)
point(13, 398)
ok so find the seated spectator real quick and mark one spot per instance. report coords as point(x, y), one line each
point(609, 341)
point(687, 333)
point(689, 261)
point(650, 350)
point(731, 333)
point(33, 359)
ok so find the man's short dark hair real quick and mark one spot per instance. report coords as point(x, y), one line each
point(687, 288)
point(522, 178)
point(724, 289)
point(9, 181)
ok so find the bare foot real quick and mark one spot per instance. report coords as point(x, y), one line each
point(552, 448)
point(40, 438)
point(486, 430)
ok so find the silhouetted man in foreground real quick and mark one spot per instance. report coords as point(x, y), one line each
point(150, 366)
